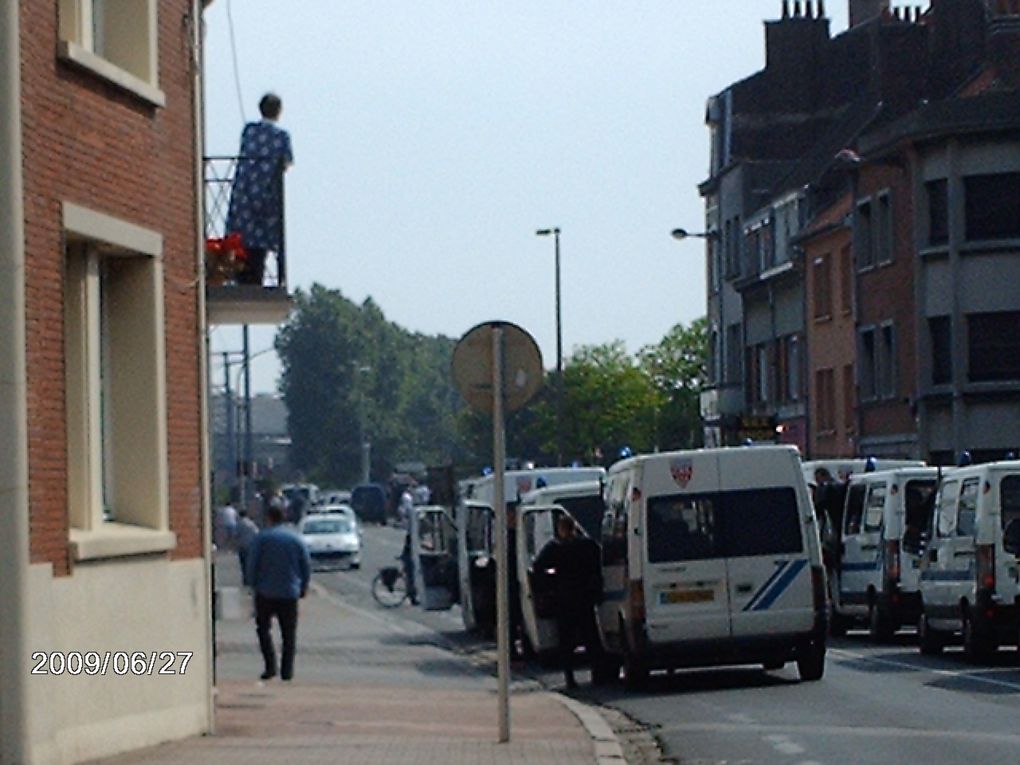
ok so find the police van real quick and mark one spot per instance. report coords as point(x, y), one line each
point(969, 575)
point(711, 557)
point(476, 565)
point(582, 499)
point(876, 574)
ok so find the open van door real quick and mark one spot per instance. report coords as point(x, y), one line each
point(476, 566)
point(434, 545)
point(537, 526)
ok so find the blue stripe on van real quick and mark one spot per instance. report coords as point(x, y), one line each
point(790, 572)
point(873, 565)
point(780, 567)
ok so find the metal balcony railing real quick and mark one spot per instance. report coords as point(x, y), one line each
point(220, 173)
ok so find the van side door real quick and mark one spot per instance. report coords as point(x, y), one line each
point(949, 567)
point(862, 562)
point(435, 555)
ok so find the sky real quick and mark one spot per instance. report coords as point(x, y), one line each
point(432, 138)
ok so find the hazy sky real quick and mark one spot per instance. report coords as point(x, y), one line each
point(433, 137)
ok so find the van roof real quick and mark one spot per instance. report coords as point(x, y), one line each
point(713, 452)
point(903, 472)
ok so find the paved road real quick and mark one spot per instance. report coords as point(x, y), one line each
point(881, 705)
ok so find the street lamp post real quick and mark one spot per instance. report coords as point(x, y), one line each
point(555, 232)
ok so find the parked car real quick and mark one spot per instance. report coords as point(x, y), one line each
point(333, 540)
point(969, 582)
point(334, 497)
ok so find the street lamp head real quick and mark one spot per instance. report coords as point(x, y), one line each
point(681, 233)
point(547, 231)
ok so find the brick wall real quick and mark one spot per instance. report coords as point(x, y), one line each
point(89, 142)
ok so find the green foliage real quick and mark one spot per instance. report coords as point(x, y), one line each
point(345, 367)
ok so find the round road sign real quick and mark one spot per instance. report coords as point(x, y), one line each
point(473, 365)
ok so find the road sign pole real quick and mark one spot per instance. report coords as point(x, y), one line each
point(499, 508)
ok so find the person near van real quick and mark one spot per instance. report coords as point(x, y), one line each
point(574, 561)
point(279, 570)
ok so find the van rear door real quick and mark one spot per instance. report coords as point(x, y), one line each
point(685, 574)
point(765, 516)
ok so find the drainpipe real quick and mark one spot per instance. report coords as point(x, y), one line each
point(198, 88)
point(14, 714)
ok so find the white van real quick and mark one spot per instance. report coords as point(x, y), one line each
point(476, 565)
point(970, 569)
point(583, 500)
point(434, 546)
point(535, 528)
point(876, 574)
point(712, 557)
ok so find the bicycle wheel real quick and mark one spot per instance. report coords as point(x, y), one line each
point(389, 587)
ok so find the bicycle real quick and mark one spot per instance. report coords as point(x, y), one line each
point(389, 587)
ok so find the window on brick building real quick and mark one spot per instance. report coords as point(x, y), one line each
point(113, 38)
point(822, 278)
point(734, 341)
point(886, 364)
point(115, 369)
point(864, 235)
point(848, 398)
point(846, 279)
point(883, 228)
point(992, 206)
point(993, 342)
point(867, 364)
point(938, 211)
point(825, 400)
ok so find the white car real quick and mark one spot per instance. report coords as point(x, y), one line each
point(333, 539)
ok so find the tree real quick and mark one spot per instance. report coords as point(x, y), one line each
point(678, 369)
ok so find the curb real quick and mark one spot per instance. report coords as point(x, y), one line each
point(608, 750)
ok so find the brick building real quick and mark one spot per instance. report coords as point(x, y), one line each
point(890, 112)
point(103, 524)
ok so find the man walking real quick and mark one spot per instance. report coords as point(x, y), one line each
point(278, 570)
point(574, 562)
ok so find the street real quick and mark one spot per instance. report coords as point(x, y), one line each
point(876, 704)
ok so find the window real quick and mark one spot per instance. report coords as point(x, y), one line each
point(993, 342)
point(864, 235)
point(731, 243)
point(846, 279)
point(918, 496)
point(992, 206)
point(875, 508)
point(587, 511)
point(883, 228)
point(854, 509)
point(734, 352)
point(867, 364)
point(848, 398)
point(791, 366)
point(825, 403)
point(760, 522)
point(946, 523)
point(822, 273)
point(115, 38)
point(939, 330)
point(967, 514)
point(1009, 499)
point(938, 211)
point(115, 360)
point(886, 366)
point(681, 528)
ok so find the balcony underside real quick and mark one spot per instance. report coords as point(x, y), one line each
point(247, 304)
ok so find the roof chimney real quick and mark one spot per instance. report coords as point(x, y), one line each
point(866, 10)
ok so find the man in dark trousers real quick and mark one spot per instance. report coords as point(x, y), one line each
point(576, 569)
point(279, 569)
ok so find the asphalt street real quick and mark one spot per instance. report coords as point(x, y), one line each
point(876, 704)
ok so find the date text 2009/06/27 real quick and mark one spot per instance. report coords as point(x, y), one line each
point(119, 663)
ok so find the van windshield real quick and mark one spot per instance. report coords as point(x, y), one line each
point(731, 524)
point(587, 511)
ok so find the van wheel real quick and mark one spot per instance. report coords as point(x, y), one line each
point(880, 623)
point(977, 647)
point(929, 640)
point(811, 662)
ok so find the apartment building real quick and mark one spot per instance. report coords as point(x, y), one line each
point(105, 634)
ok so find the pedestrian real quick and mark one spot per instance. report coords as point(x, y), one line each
point(225, 526)
point(243, 537)
point(576, 570)
point(256, 197)
point(279, 570)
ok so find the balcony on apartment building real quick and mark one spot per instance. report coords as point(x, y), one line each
point(235, 294)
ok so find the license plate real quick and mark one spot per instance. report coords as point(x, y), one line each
point(671, 597)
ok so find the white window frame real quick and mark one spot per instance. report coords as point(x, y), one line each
point(128, 57)
point(117, 445)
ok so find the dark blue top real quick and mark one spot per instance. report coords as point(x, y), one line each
point(256, 198)
point(278, 563)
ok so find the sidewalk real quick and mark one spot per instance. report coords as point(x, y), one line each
point(371, 689)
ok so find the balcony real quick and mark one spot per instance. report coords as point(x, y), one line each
point(229, 298)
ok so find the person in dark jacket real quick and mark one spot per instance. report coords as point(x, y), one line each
point(573, 562)
point(278, 570)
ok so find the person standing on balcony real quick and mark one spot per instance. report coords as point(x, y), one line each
point(256, 198)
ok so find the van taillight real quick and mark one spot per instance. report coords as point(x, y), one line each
point(892, 561)
point(636, 600)
point(986, 566)
point(818, 587)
